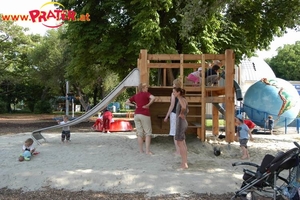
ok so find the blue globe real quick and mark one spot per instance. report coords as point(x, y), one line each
point(275, 97)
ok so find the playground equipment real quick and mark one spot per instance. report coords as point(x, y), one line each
point(114, 107)
point(197, 97)
point(275, 97)
point(117, 125)
point(131, 80)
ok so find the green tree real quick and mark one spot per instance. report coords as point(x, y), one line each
point(49, 60)
point(14, 63)
point(286, 64)
point(118, 29)
point(241, 25)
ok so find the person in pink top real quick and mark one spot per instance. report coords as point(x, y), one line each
point(142, 101)
point(195, 76)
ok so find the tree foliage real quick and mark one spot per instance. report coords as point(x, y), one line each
point(94, 55)
point(49, 60)
point(119, 29)
point(241, 25)
point(286, 64)
point(15, 79)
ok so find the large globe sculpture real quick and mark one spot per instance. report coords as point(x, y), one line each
point(275, 97)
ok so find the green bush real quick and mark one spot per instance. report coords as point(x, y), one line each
point(42, 107)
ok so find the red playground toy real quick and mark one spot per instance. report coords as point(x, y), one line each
point(115, 126)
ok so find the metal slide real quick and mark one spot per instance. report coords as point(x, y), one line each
point(131, 80)
point(220, 108)
point(238, 94)
point(237, 88)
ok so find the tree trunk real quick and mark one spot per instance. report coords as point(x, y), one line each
point(81, 98)
point(170, 77)
point(45, 93)
point(8, 107)
point(97, 91)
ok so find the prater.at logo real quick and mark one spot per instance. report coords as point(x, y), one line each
point(57, 15)
point(49, 17)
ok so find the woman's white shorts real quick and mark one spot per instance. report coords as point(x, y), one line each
point(172, 124)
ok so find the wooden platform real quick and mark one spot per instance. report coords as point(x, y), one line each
point(167, 90)
point(190, 99)
point(193, 94)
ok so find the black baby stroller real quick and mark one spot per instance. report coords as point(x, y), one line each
point(278, 177)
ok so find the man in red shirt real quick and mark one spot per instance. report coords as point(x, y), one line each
point(142, 101)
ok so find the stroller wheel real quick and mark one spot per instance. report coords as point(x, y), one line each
point(250, 196)
point(245, 196)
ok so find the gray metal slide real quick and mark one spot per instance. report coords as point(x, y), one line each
point(220, 108)
point(238, 93)
point(131, 80)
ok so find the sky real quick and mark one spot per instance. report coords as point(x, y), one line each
point(24, 6)
point(289, 38)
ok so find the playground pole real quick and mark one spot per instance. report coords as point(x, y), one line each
point(298, 124)
point(285, 126)
point(73, 108)
point(67, 100)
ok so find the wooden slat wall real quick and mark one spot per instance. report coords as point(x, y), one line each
point(161, 57)
point(175, 65)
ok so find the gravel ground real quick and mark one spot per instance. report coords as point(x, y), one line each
point(12, 124)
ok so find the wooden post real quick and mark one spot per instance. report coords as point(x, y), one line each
point(229, 95)
point(181, 69)
point(215, 122)
point(239, 75)
point(143, 67)
point(164, 77)
point(203, 101)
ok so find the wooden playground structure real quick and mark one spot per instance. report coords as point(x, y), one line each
point(197, 96)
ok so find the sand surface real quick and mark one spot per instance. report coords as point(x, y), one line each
point(111, 163)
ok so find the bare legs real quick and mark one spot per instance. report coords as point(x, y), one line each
point(147, 142)
point(245, 153)
point(140, 142)
point(177, 150)
point(183, 153)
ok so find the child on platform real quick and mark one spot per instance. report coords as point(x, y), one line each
point(195, 77)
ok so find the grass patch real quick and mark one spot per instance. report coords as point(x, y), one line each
point(209, 122)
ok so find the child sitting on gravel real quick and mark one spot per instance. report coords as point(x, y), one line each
point(28, 150)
